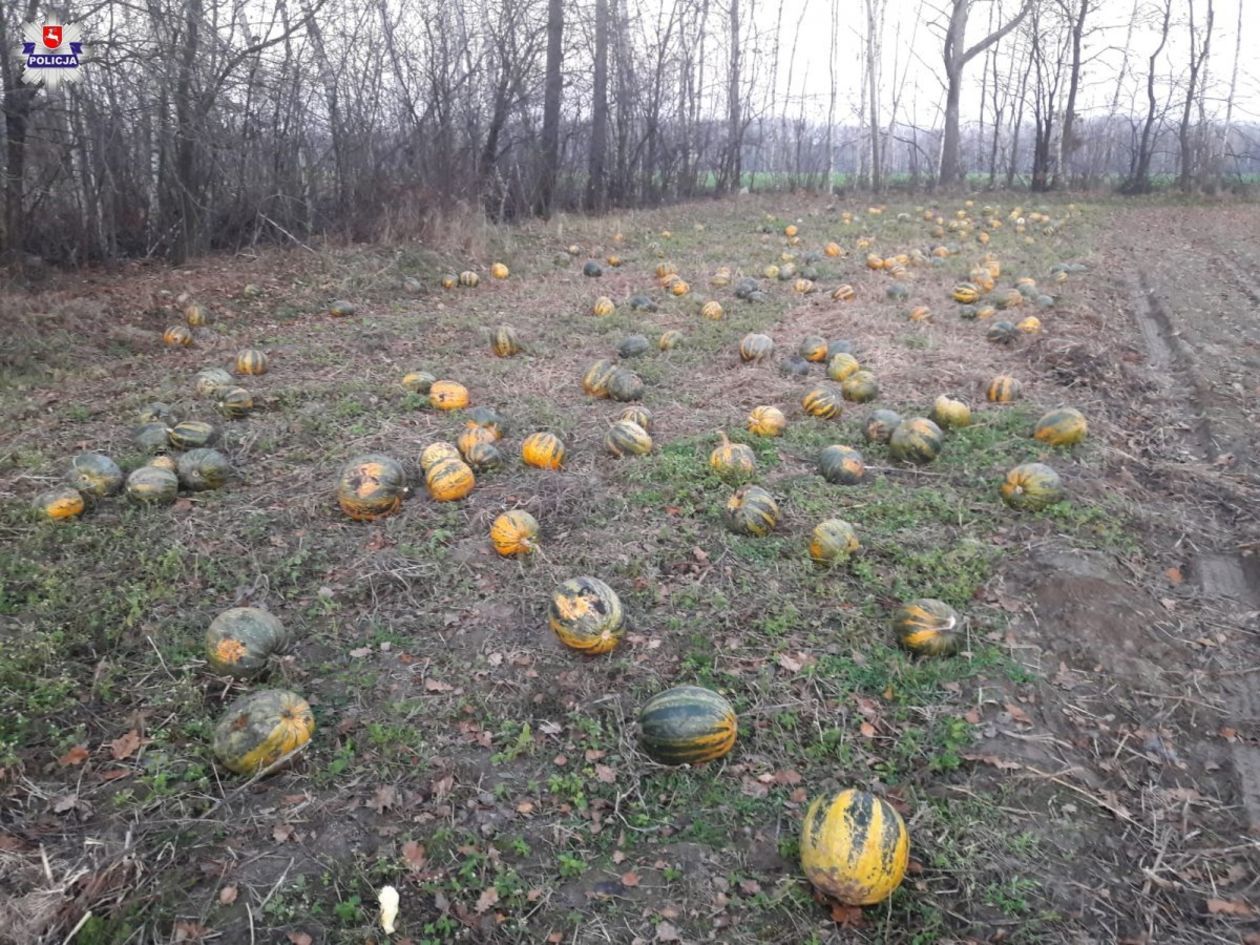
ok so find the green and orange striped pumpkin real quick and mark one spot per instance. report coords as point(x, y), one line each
point(627, 438)
point(261, 728)
point(854, 847)
point(833, 542)
point(585, 613)
point(1031, 487)
point(751, 511)
point(822, 402)
point(687, 725)
point(242, 640)
point(928, 627)
point(916, 440)
point(371, 486)
point(841, 465)
point(880, 425)
point(543, 451)
point(1064, 427)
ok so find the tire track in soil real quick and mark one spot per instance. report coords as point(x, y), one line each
point(1228, 576)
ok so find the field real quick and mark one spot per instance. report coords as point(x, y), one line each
point(1085, 770)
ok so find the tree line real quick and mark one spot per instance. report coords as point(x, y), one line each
point(206, 124)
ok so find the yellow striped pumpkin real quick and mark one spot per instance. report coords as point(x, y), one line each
point(860, 387)
point(854, 847)
point(469, 279)
point(841, 365)
point(1003, 389)
point(514, 533)
point(450, 480)
point(196, 316)
point(418, 382)
point(595, 380)
point(670, 339)
point(499, 271)
point(928, 627)
point(371, 487)
point(1064, 427)
point(712, 310)
point(767, 421)
point(178, 336)
point(687, 725)
point(751, 511)
point(627, 438)
point(822, 402)
point(755, 347)
point(251, 361)
point(603, 307)
point(732, 460)
point(638, 414)
point(448, 395)
point(504, 341)
point(966, 293)
point(61, 503)
point(434, 453)
point(833, 542)
point(543, 450)
point(1031, 487)
point(585, 613)
point(950, 414)
point(261, 728)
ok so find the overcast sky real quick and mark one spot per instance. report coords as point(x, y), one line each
point(911, 20)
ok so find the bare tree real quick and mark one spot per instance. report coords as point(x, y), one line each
point(956, 54)
point(1198, 58)
point(596, 184)
point(1077, 11)
point(553, 89)
point(1139, 181)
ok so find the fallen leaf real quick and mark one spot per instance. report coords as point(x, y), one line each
point(489, 896)
point(124, 746)
point(749, 887)
point(227, 895)
point(630, 879)
point(1229, 907)
point(386, 796)
point(436, 685)
point(414, 854)
point(605, 774)
point(300, 938)
point(282, 833)
point(849, 917)
point(1018, 714)
point(1174, 576)
point(972, 716)
point(867, 730)
point(666, 933)
point(75, 756)
point(188, 931)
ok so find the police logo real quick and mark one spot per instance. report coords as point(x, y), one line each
point(51, 53)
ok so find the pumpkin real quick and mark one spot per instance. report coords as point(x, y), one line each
point(1002, 333)
point(260, 729)
point(770, 272)
point(841, 465)
point(543, 450)
point(448, 395)
point(712, 310)
point(833, 542)
point(585, 613)
point(251, 361)
point(1064, 427)
point(473, 436)
point(790, 230)
point(203, 469)
point(732, 460)
point(920, 313)
point(241, 640)
point(928, 627)
point(860, 387)
point(897, 292)
point(803, 286)
point(641, 303)
point(483, 456)
point(794, 366)
point(950, 414)
point(450, 280)
point(450, 480)
point(1029, 326)
point(832, 250)
point(152, 413)
point(665, 269)
point(721, 277)
point(595, 380)
point(842, 365)
point(626, 437)
point(210, 381)
point(839, 346)
point(686, 725)
point(418, 382)
point(61, 503)
point(341, 309)
point(177, 336)
point(573, 249)
point(95, 474)
point(755, 347)
point(434, 453)
point(152, 485)
point(767, 421)
point(235, 402)
point(916, 440)
point(371, 487)
point(874, 262)
point(504, 341)
point(844, 293)
point(487, 418)
point(813, 348)
point(499, 271)
point(191, 434)
point(152, 437)
point(637, 413)
point(165, 461)
point(854, 847)
point(196, 316)
point(966, 293)
point(625, 385)
point(514, 533)
point(821, 402)
point(613, 260)
point(1026, 284)
point(967, 312)
point(985, 311)
point(1011, 298)
point(748, 290)
point(1031, 487)
point(469, 279)
point(603, 307)
point(670, 340)
point(1003, 389)
point(751, 511)
point(879, 426)
point(632, 346)
point(592, 269)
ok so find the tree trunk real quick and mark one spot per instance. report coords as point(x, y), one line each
point(734, 132)
point(1140, 181)
point(1067, 135)
point(1197, 59)
point(596, 184)
point(552, 90)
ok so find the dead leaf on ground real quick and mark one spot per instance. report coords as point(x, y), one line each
point(1234, 907)
point(300, 938)
point(124, 746)
point(75, 756)
point(665, 932)
point(414, 854)
point(227, 895)
point(630, 879)
point(488, 898)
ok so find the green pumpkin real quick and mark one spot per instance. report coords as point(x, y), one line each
point(418, 382)
point(235, 402)
point(586, 615)
point(928, 627)
point(1064, 427)
point(751, 511)
point(916, 440)
point(879, 425)
point(641, 303)
point(627, 438)
point(632, 346)
point(839, 346)
point(625, 385)
point(191, 434)
point(153, 486)
point(1031, 487)
point(483, 456)
point(152, 437)
point(241, 641)
point(687, 725)
point(860, 387)
point(1002, 333)
point(95, 474)
point(841, 465)
point(261, 729)
point(203, 469)
point(488, 418)
point(592, 269)
point(341, 309)
point(833, 542)
point(639, 414)
point(156, 413)
point(897, 292)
